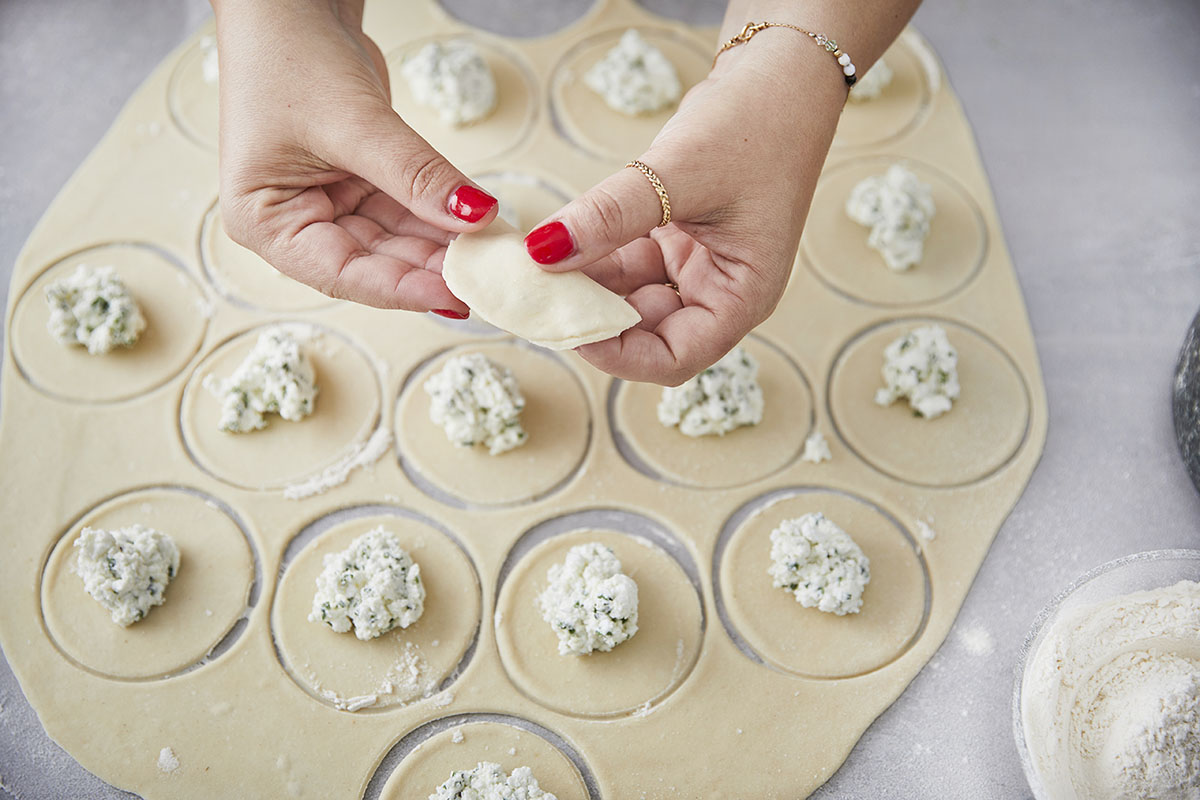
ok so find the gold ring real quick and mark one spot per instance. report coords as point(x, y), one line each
point(658, 188)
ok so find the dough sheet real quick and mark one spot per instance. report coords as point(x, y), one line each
point(255, 700)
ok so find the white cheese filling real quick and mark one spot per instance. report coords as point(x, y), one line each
point(477, 402)
point(275, 377)
point(634, 77)
point(453, 79)
point(721, 398)
point(819, 563)
point(589, 602)
point(126, 570)
point(923, 367)
point(488, 781)
point(872, 84)
point(898, 209)
point(816, 449)
point(373, 586)
point(92, 307)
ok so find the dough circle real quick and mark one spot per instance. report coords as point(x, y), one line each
point(437, 757)
point(812, 643)
point(739, 457)
point(978, 436)
point(243, 277)
point(506, 127)
point(634, 675)
point(345, 413)
point(172, 302)
point(600, 130)
point(192, 100)
point(203, 602)
point(336, 668)
point(556, 417)
point(901, 107)
point(835, 246)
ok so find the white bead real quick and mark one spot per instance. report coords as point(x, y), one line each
point(844, 60)
point(848, 69)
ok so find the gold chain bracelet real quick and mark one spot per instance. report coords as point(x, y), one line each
point(843, 59)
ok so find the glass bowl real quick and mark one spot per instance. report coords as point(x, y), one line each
point(1141, 571)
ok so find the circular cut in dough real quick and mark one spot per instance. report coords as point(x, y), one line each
point(345, 414)
point(806, 641)
point(978, 436)
point(504, 128)
point(902, 106)
point(634, 675)
point(739, 457)
point(835, 246)
point(400, 666)
point(556, 417)
point(172, 302)
point(192, 100)
point(246, 279)
point(603, 131)
point(203, 602)
point(437, 757)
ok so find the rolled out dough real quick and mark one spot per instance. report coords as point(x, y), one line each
point(556, 418)
point(807, 641)
point(202, 603)
point(429, 765)
point(898, 108)
point(740, 456)
point(492, 273)
point(174, 307)
point(347, 410)
point(402, 665)
point(966, 444)
point(633, 676)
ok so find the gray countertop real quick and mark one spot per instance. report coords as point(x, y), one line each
point(1088, 119)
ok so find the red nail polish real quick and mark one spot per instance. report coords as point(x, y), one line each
point(448, 314)
point(470, 204)
point(550, 243)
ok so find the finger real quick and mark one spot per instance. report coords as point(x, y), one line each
point(655, 303)
point(395, 218)
point(415, 251)
point(682, 344)
point(618, 210)
point(637, 264)
point(328, 258)
point(381, 148)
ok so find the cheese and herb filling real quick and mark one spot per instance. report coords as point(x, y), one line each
point(126, 570)
point(453, 79)
point(816, 449)
point(275, 377)
point(477, 402)
point(898, 208)
point(634, 77)
point(488, 781)
point(872, 84)
point(372, 586)
point(819, 563)
point(589, 602)
point(923, 367)
point(721, 398)
point(92, 307)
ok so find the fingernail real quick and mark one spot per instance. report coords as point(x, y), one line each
point(448, 314)
point(470, 204)
point(550, 243)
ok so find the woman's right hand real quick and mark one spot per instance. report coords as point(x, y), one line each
point(319, 175)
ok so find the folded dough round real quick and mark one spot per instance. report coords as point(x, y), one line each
point(492, 273)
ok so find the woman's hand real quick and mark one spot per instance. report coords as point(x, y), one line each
point(318, 174)
point(740, 161)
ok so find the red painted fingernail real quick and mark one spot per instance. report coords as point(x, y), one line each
point(448, 314)
point(470, 204)
point(550, 243)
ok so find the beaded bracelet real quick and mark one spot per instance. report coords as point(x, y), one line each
point(830, 45)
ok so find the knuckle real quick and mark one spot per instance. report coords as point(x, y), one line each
point(604, 220)
point(424, 175)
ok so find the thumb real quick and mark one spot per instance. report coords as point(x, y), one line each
point(623, 207)
point(380, 148)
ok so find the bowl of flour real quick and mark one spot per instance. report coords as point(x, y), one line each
point(1107, 698)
